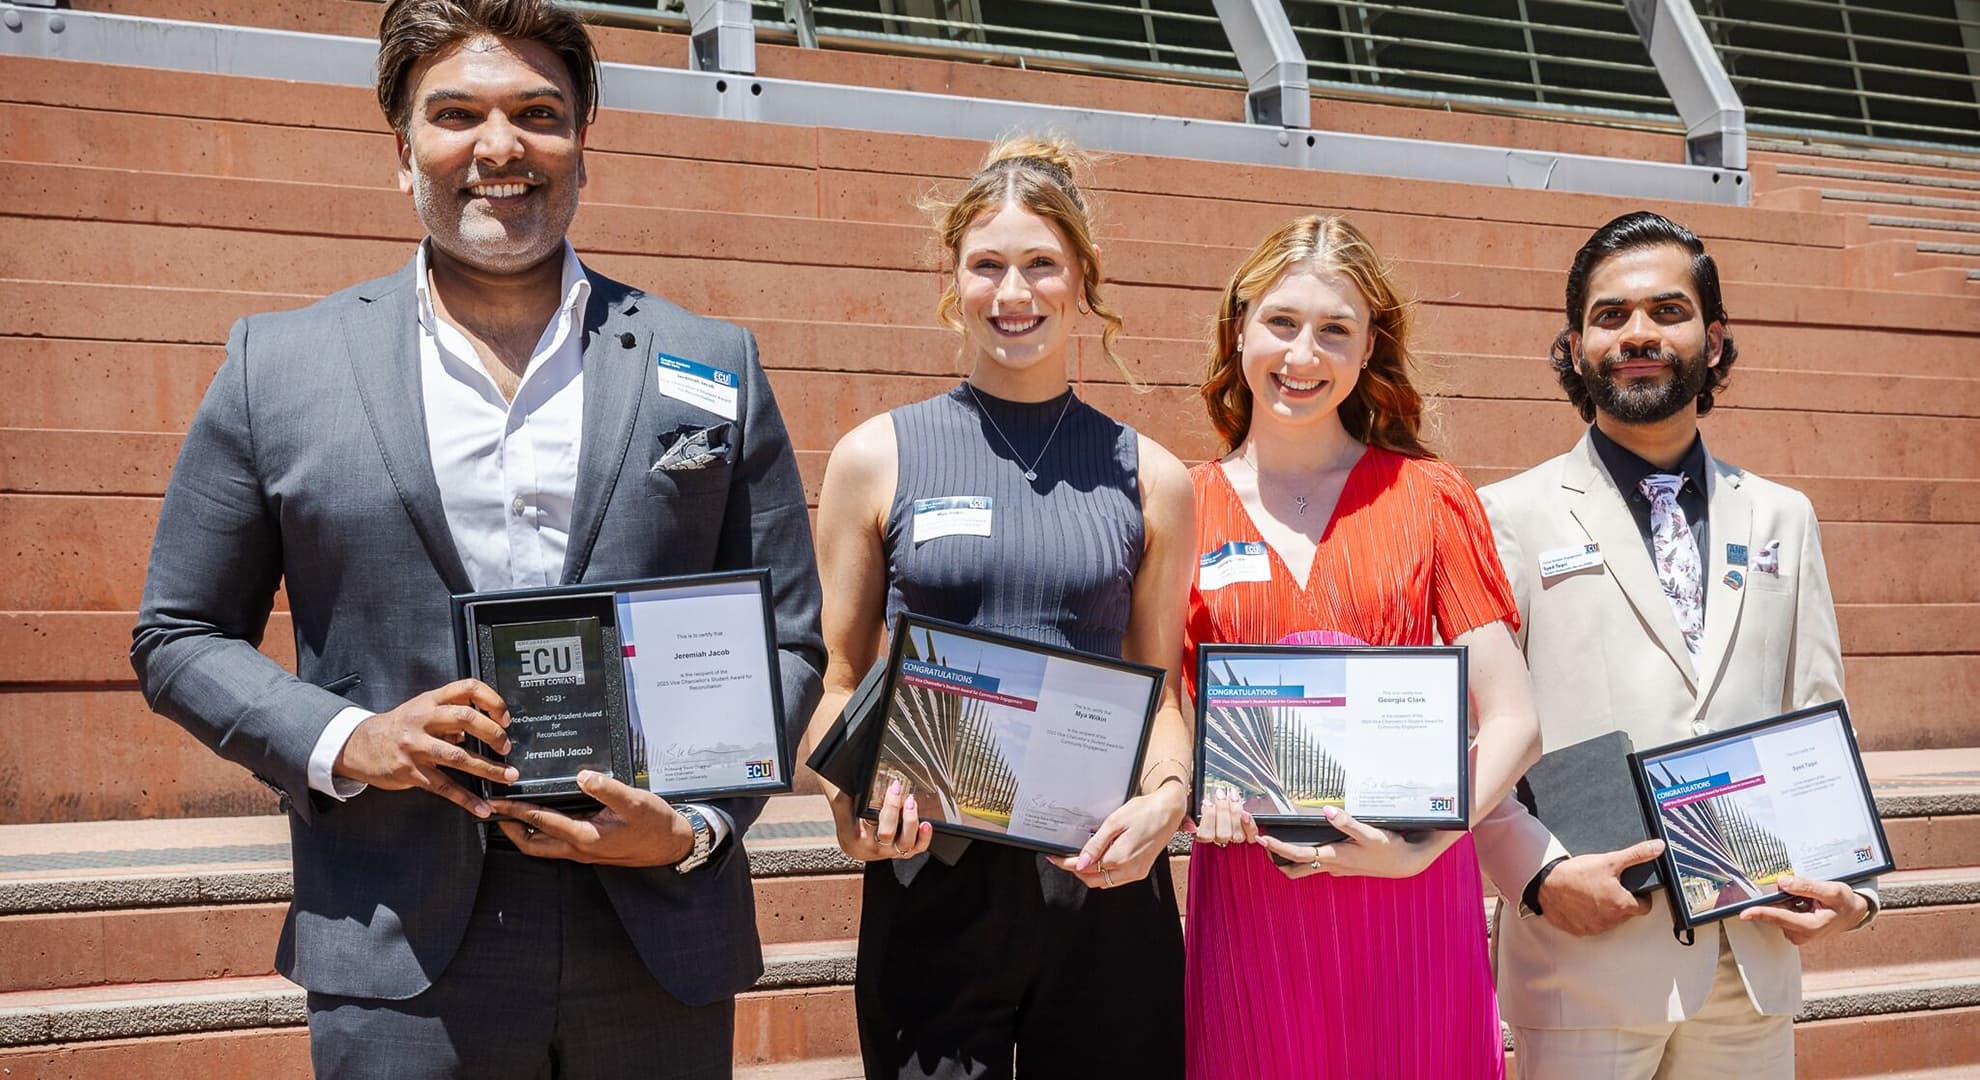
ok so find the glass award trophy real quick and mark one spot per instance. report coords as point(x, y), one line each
point(563, 703)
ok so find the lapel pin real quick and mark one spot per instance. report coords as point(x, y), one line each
point(1734, 580)
point(1735, 554)
point(627, 341)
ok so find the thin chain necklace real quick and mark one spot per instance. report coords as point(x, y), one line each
point(1258, 479)
point(1031, 470)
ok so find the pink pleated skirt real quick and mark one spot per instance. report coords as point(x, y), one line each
point(1331, 978)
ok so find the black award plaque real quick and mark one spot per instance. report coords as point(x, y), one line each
point(566, 705)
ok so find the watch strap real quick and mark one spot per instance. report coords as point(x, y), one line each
point(704, 839)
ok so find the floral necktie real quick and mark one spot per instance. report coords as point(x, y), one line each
point(1678, 567)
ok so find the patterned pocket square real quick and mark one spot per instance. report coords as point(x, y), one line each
point(1767, 559)
point(687, 448)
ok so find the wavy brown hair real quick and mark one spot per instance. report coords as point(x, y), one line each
point(1384, 409)
point(1041, 174)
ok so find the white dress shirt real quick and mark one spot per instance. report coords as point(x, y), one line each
point(507, 469)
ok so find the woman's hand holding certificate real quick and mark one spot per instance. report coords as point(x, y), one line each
point(898, 834)
point(1366, 852)
point(1125, 846)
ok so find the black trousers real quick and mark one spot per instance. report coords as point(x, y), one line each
point(545, 984)
point(1005, 965)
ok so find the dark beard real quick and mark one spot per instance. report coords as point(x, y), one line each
point(1644, 403)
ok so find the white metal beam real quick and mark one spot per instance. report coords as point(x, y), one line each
point(1273, 62)
point(1713, 116)
point(285, 54)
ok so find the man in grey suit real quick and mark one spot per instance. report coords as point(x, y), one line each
point(493, 415)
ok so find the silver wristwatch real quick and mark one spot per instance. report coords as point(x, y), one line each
point(704, 839)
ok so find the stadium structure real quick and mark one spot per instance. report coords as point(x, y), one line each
point(170, 165)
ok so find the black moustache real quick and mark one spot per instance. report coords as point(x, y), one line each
point(1667, 357)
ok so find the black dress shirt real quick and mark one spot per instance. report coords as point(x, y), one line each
point(1628, 471)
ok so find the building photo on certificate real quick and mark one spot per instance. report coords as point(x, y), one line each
point(1722, 826)
point(962, 717)
point(1268, 741)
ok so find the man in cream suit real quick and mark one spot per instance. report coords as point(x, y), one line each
point(1664, 593)
point(495, 414)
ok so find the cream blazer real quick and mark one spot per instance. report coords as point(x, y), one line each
point(1606, 655)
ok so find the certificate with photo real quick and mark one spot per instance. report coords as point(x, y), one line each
point(1381, 732)
point(669, 684)
point(1008, 740)
point(1740, 809)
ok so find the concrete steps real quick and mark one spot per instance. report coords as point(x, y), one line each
point(89, 910)
point(1875, 179)
point(1905, 199)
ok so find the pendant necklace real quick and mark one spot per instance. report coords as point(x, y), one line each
point(1031, 470)
point(1299, 501)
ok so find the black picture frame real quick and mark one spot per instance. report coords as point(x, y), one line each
point(888, 715)
point(1643, 761)
point(602, 598)
point(1314, 826)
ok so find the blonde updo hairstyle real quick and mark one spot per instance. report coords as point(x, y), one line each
point(1040, 174)
point(1384, 409)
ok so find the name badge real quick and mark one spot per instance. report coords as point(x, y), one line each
point(1570, 560)
point(1239, 560)
point(704, 387)
point(952, 515)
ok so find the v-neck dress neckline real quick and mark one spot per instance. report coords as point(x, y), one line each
point(1302, 584)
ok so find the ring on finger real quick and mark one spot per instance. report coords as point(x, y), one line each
point(1107, 877)
point(1315, 864)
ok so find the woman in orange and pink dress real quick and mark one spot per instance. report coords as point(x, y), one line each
point(1365, 957)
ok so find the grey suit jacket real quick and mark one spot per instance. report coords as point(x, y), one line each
point(307, 466)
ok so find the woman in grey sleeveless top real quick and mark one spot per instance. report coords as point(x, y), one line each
point(979, 959)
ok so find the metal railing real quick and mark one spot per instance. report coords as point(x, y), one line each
point(721, 85)
point(1894, 70)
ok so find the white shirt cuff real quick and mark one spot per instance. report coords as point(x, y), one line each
point(328, 746)
point(718, 823)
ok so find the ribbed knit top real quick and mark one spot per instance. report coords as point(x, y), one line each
point(1058, 566)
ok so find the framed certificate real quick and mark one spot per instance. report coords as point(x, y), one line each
point(1381, 732)
point(670, 684)
point(1006, 739)
point(1740, 809)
